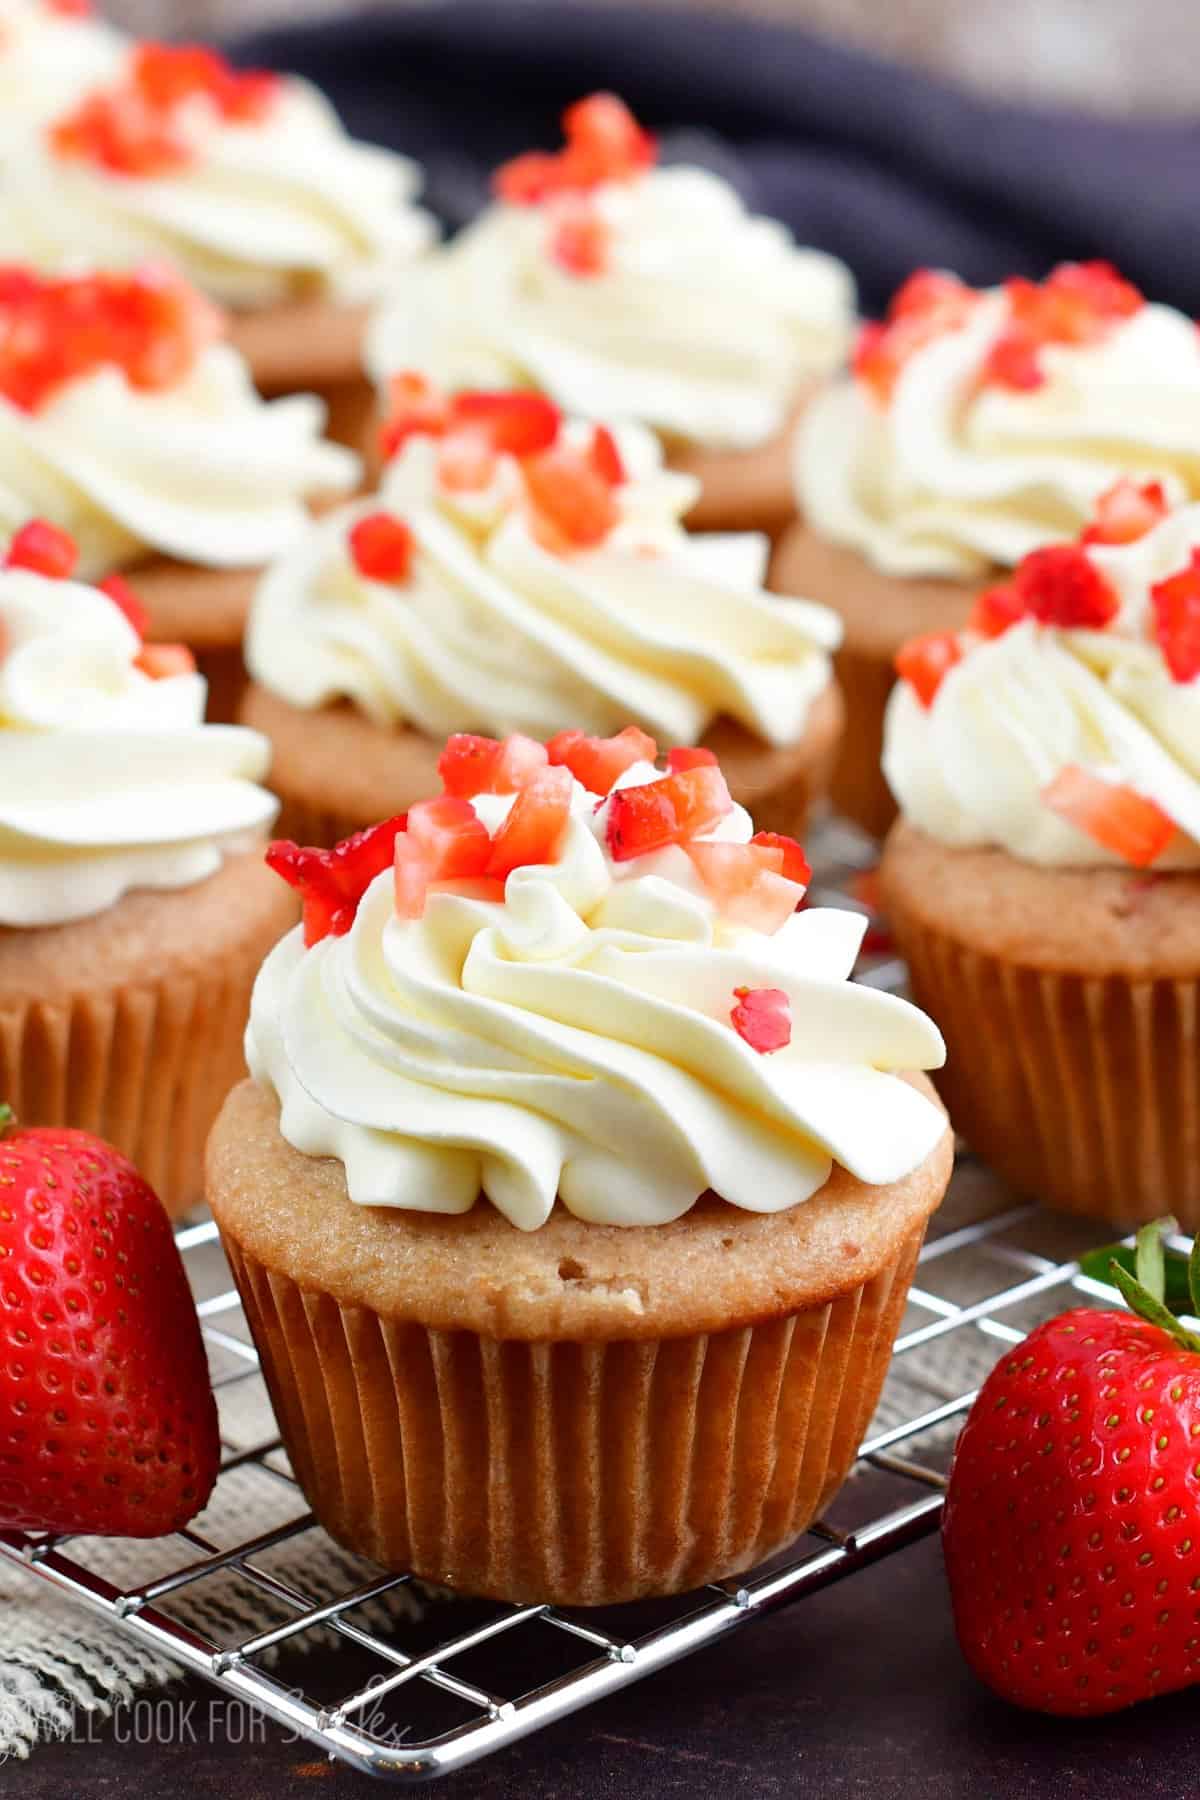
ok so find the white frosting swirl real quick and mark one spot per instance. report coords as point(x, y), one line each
point(48, 60)
point(574, 1040)
point(108, 779)
point(493, 632)
point(703, 326)
point(952, 477)
point(279, 209)
point(1019, 709)
point(205, 471)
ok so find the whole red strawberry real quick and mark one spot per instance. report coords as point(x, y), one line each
point(107, 1420)
point(1072, 1522)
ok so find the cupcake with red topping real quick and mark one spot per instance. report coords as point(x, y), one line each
point(129, 424)
point(249, 184)
point(1044, 879)
point(576, 1191)
point(625, 289)
point(976, 427)
point(51, 53)
point(521, 574)
point(133, 907)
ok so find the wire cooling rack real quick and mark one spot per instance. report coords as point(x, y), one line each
point(434, 1693)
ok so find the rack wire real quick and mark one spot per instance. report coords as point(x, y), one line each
point(429, 1695)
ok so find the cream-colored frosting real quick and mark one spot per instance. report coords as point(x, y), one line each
point(952, 476)
point(1018, 709)
point(284, 208)
point(704, 325)
point(108, 779)
point(205, 471)
point(575, 1040)
point(492, 632)
point(48, 60)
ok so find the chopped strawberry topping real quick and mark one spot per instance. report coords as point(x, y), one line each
point(126, 601)
point(748, 883)
point(605, 457)
point(1176, 603)
point(515, 421)
point(1126, 511)
point(1078, 303)
point(598, 762)
point(573, 506)
point(1060, 585)
point(581, 241)
point(924, 662)
point(44, 549)
point(1118, 817)
point(795, 865)
point(532, 832)
point(471, 765)
point(928, 305)
point(134, 126)
point(685, 756)
point(762, 1018)
point(148, 323)
point(381, 546)
point(416, 408)
point(332, 882)
point(163, 661)
point(70, 9)
point(1012, 362)
point(453, 840)
point(995, 610)
point(604, 142)
point(671, 810)
point(466, 462)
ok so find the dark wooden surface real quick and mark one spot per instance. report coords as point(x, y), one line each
point(858, 1691)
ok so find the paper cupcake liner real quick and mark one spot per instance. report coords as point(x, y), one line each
point(577, 1473)
point(1081, 1090)
point(858, 789)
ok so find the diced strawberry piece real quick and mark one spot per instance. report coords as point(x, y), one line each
point(581, 242)
point(694, 756)
point(451, 837)
point(1176, 603)
point(926, 292)
point(514, 421)
point(671, 810)
point(605, 141)
point(415, 409)
point(413, 873)
point(332, 882)
point(1013, 361)
point(381, 546)
point(529, 179)
point(928, 304)
point(162, 661)
point(250, 96)
point(532, 832)
point(121, 132)
point(605, 457)
point(1129, 824)
point(168, 74)
point(924, 662)
point(795, 865)
point(1060, 585)
point(44, 549)
point(598, 762)
point(572, 504)
point(71, 9)
point(471, 765)
point(747, 883)
point(995, 610)
point(762, 1018)
point(521, 760)
point(1078, 303)
point(1127, 511)
point(466, 461)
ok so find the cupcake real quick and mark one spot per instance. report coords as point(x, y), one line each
point(576, 1192)
point(628, 290)
point(1044, 878)
point(51, 53)
point(134, 908)
point(127, 423)
point(523, 574)
point(976, 427)
point(245, 180)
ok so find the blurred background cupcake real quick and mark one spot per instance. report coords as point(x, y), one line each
point(51, 52)
point(1044, 879)
point(522, 573)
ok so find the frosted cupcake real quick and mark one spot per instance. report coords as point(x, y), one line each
point(626, 290)
point(125, 421)
point(524, 574)
point(576, 1195)
point(976, 427)
point(248, 183)
point(1044, 879)
point(51, 52)
point(133, 906)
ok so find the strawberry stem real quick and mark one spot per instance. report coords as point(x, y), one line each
point(1150, 1262)
point(1143, 1292)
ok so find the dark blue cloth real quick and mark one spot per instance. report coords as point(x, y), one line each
point(887, 168)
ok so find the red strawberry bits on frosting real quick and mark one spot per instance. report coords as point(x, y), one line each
point(604, 143)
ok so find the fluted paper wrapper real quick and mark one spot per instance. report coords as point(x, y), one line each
point(1079, 1090)
point(576, 1473)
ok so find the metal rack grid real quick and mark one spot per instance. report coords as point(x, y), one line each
point(386, 1724)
